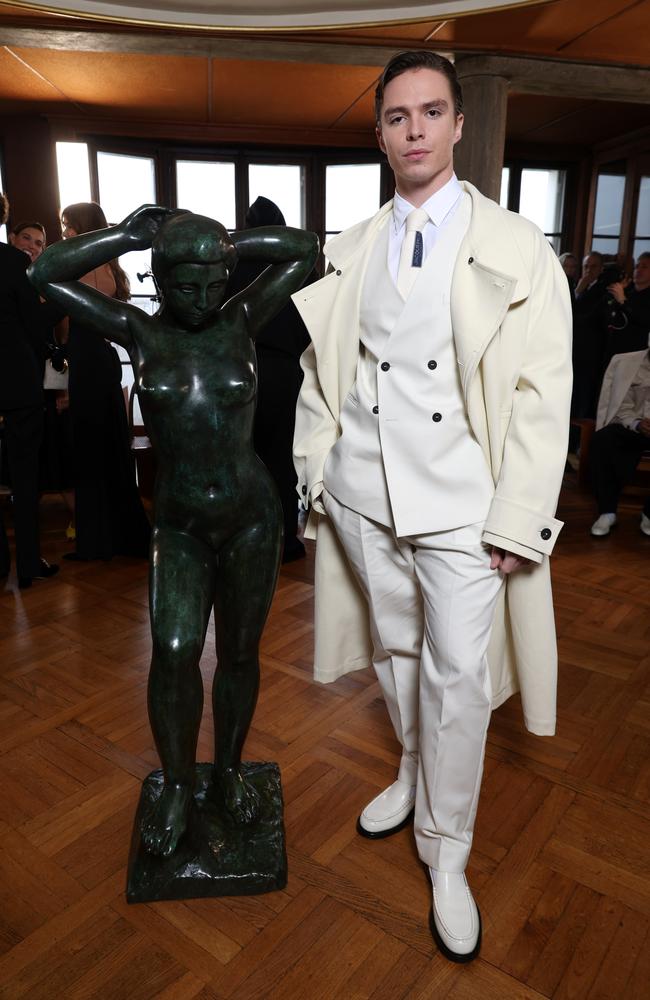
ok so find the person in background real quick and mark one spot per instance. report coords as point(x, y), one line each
point(629, 310)
point(28, 237)
point(622, 436)
point(278, 348)
point(24, 323)
point(571, 267)
point(109, 517)
point(589, 341)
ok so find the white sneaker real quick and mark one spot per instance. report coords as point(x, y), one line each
point(603, 525)
point(645, 524)
point(454, 920)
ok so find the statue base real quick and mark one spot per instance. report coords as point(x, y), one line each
point(215, 857)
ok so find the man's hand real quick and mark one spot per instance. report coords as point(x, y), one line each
point(643, 426)
point(507, 562)
point(617, 290)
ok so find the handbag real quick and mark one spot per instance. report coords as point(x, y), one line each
point(54, 379)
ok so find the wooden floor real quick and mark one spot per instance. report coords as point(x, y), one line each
point(561, 862)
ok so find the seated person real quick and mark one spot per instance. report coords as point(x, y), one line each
point(622, 435)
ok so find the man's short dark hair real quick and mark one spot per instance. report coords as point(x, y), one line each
point(643, 256)
point(418, 59)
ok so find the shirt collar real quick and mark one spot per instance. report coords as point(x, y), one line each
point(437, 207)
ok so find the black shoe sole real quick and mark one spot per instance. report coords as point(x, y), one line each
point(454, 956)
point(384, 833)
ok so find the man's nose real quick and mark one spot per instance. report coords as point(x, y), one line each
point(416, 128)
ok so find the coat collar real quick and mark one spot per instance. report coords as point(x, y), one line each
point(353, 241)
point(491, 241)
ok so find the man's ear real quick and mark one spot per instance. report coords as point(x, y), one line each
point(380, 139)
point(459, 128)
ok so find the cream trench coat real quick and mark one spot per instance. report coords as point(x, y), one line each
point(511, 319)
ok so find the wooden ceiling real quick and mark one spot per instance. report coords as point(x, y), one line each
point(314, 86)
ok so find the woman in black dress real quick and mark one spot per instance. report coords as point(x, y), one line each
point(109, 517)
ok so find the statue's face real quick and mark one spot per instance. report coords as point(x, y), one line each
point(194, 292)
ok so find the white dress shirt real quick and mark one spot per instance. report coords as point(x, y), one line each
point(440, 208)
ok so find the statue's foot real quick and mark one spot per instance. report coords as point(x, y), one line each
point(165, 823)
point(238, 796)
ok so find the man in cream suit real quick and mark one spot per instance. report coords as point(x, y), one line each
point(622, 435)
point(430, 442)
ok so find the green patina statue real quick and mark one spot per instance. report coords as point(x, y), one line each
point(217, 520)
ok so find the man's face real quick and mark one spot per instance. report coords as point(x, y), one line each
point(30, 240)
point(641, 275)
point(591, 267)
point(418, 131)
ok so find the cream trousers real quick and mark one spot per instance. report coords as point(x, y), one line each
point(431, 599)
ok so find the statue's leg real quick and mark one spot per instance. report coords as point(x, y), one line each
point(180, 598)
point(248, 569)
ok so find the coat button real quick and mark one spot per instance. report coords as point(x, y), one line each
point(375, 409)
point(338, 273)
point(432, 365)
point(546, 533)
point(304, 491)
point(385, 366)
point(471, 260)
point(437, 417)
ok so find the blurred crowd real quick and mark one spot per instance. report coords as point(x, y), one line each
point(64, 415)
point(611, 377)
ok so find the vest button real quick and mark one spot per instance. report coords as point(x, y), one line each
point(375, 409)
point(437, 417)
point(471, 260)
point(385, 366)
point(304, 491)
point(546, 533)
point(338, 274)
point(432, 365)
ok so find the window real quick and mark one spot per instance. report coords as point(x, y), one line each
point(642, 226)
point(352, 193)
point(541, 199)
point(282, 184)
point(505, 185)
point(610, 192)
point(3, 228)
point(538, 193)
point(73, 171)
point(126, 182)
point(207, 188)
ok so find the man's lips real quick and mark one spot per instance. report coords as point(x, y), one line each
point(416, 154)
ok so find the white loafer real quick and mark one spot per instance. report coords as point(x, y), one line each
point(603, 525)
point(454, 919)
point(389, 812)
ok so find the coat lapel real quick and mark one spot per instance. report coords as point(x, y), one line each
point(490, 272)
point(332, 304)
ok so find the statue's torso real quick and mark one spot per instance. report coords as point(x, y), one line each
point(197, 395)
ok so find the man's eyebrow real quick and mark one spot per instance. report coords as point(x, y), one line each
point(439, 102)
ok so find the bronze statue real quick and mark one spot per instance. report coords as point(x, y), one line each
point(217, 520)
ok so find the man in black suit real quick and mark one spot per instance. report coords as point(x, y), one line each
point(23, 330)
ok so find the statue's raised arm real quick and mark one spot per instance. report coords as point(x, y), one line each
point(291, 255)
point(57, 272)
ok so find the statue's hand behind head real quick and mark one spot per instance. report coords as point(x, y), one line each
point(142, 225)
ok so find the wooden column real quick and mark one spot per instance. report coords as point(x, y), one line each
point(478, 156)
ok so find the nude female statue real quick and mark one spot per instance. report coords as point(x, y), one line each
point(217, 520)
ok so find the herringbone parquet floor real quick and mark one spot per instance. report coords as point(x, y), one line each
point(561, 864)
